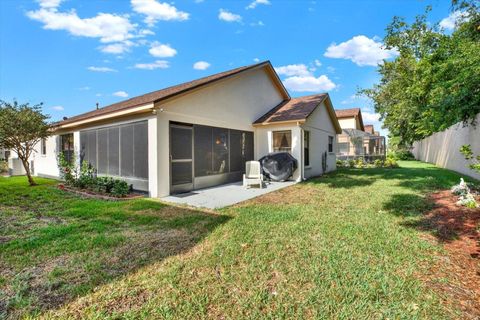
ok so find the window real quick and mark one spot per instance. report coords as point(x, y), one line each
point(282, 141)
point(330, 144)
point(343, 148)
point(66, 146)
point(306, 148)
point(43, 146)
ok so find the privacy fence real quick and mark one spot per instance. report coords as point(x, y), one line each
point(442, 148)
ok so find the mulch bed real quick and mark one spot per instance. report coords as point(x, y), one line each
point(457, 229)
point(91, 194)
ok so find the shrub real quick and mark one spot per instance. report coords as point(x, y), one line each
point(67, 169)
point(460, 189)
point(120, 188)
point(3, 166)
point(465, 198)
point(360, 163)
point(339, 163)
point(378, 163)
point(401, 154)
point(351, 163)
point(390, 163)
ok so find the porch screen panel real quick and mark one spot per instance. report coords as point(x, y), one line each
point(140, 150)
point(248, 146)
point(102, 151)
point(126, 151)
point(181, 147)
point(220, 151)
point(113, 151)
point(237, 150)
point(91, 148)
point(83, 146)
point(203, 150)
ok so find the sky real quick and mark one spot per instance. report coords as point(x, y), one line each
point(72, 54)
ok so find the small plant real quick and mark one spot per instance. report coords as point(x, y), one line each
point(460, 189)
point(3, 166)
point(378, 163)
point(120, 188)
point(467, 152)
point(360, 163)
point(351, 163)
point(339, 163)
point(67, 168)
point(390, 163)
point(466, 198)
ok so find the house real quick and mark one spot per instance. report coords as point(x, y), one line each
point(199, 133)
point(358, 140)
point(4, 154)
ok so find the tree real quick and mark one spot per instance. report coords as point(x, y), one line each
point(467, 152)
point(434, 82)
point(21, 127)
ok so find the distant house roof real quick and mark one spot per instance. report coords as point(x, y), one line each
point(298, 109)
point(369, 128)
point(350, 113)
point(170, 92)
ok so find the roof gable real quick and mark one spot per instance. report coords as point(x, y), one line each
point(173, 91)
point(351, 113)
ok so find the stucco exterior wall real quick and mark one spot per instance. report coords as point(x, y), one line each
point(234, 103)
point(320, 127)
point(442, 148)
point(348, 123)
point(46, 165)
point(264, 139)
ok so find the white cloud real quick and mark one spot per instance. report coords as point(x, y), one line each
point(229, 16)
point(49, 3)
point(255, 3)
point(162, 50)
point(293, 70)
point(317, 63)
point(361, 50)
point(201, 65)
point(354, 98)
point(369, 117)
point(256, 60)
point(121, 94)
point(309, 83)
point(449, 22)
point(86, 88)
point(159, 64)
point(105, 26)
point(57, 108)
point(117, 48)
point(101, 69)
point(154, 11)
point(146, 32)
point(259, 23)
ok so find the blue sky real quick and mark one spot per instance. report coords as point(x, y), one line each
point(71, 54)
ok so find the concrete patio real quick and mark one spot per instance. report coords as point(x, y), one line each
point(224, 195)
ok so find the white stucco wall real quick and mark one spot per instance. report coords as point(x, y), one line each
point(46, 165)
point(263, 141)
point(348, 123)
point(320, 127)
point(442, 148)
point(234, 103)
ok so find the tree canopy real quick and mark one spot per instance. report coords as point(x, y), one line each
point(21, 127)
point(434, 81)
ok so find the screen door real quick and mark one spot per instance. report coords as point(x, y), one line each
point(181, 158)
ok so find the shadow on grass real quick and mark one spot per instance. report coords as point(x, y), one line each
point(57, 247)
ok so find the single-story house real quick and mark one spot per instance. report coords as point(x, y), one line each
point(358, 140)
point(199, 133)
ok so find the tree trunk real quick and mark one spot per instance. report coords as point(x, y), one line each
point(26, 165)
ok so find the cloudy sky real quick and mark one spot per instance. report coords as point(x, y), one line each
point(71, 54)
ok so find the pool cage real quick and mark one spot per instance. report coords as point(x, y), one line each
point(354, 144)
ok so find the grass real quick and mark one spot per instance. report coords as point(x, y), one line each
point(340, 246)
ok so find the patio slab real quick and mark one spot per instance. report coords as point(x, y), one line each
point(224, 195)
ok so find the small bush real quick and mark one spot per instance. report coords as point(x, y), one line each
point(351, 163)
point(120, 188)
point(360, 163)
point(401, 154)
point(390, 163)
point(3, 166)
point(378, 163)
point(339, 164)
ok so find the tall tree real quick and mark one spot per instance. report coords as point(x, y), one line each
point(434, 82)
point(21, 127)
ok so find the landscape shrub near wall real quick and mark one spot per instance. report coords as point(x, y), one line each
point(3, 166)
point(389, 162)
point(85, 178)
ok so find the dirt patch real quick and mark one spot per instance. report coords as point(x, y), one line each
point(457, 230)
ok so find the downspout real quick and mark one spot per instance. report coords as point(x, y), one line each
point(302, 150)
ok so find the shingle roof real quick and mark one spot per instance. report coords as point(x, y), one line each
point(369, 128)
point(293, 109)
point(347, 113)
point(297, 109)
point(158, 95)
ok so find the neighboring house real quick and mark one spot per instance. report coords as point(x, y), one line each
point(198, 134)
point(4, 154)
point(358, 140)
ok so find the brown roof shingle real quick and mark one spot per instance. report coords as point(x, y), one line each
point(347, 113)
point(158, 95)
point(293, 109)
point(369, 128)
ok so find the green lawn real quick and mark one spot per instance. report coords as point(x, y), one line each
point(344, 245)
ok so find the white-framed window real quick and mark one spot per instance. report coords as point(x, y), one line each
point(330, 144)
point(282, 141)
point(306, 148)
point(43, 147)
